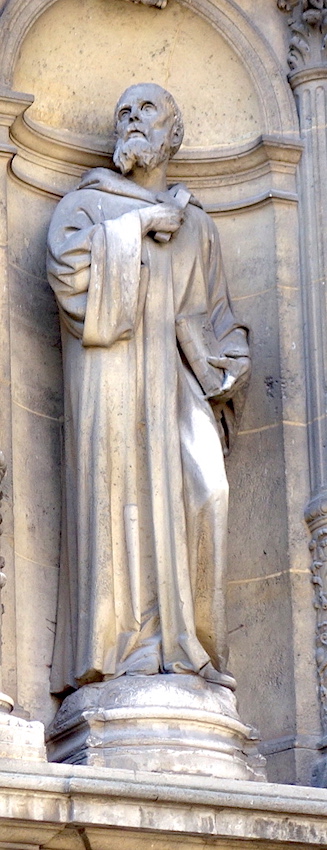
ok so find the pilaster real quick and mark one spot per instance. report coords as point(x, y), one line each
point(11, 105)
point(307, 60)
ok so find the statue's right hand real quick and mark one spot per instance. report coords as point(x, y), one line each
point(161, 217)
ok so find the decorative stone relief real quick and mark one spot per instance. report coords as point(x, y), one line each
point(316, 518)
point(308, 26)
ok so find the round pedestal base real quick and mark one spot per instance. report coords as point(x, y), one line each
point(176, 724)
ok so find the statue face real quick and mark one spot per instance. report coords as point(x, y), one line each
point(144, 113)
point(145, 126)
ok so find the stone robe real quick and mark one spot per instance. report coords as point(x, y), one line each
point(143, 548)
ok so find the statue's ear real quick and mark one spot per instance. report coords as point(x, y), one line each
point(177, 137)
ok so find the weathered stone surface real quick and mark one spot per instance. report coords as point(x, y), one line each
point(199, 50)
point(62, 807)
point(255, 203)
point(171, 724)
point(20, 739)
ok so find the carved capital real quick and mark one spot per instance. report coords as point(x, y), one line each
point(308, 25)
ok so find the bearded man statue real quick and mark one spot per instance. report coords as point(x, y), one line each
point(155, 367)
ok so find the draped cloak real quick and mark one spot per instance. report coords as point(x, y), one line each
point(143, 549)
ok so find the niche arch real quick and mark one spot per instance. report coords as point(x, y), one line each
point(224, 15)
point(251, 188)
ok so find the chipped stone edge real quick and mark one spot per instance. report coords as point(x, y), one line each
point(40, 802)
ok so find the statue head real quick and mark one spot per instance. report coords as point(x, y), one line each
point(149, 127)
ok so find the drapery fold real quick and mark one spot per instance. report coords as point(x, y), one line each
point(145, 495)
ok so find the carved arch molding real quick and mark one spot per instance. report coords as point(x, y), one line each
point(261, 172)
point(18, 17)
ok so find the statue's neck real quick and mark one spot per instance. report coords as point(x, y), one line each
point(155, 179)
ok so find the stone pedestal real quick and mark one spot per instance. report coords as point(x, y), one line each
point(21, 739)
point(171, 724)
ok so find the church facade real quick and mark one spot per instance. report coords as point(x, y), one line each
point(251, 81)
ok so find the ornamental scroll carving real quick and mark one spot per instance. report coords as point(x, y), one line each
point(308, 25)
point(316, 517)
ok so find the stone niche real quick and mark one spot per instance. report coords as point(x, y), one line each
point(239, 157)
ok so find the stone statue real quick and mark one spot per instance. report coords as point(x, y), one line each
point(155, 367)
point(160, 4)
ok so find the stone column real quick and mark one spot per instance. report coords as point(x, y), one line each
point(307, 60)
point(6, 702)
point(11, 105)
point(19, 739)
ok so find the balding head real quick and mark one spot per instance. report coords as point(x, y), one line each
point(149, 127)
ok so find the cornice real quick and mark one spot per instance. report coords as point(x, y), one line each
point(52, 161)
point(73, 806)
point(259, 200)
point(12, 104)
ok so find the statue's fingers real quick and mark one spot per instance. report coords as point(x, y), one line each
point(220, 362)
point(228, 382)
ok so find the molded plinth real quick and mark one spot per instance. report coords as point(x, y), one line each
point(21, 739)
point(173, 724)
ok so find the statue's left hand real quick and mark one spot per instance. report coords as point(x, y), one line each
point(236, 372)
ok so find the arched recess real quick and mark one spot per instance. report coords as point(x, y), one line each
point(251, 187)
point(247, 41)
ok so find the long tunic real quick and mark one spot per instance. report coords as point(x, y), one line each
point(143, 548)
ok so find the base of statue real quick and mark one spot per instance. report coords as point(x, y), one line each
point(19, 739)
point(166, 723)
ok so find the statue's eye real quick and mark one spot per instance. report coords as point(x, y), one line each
point(124, 113)
point(148, 107)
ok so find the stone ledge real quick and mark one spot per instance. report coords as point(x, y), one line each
point(53, 161)
point(66, 808)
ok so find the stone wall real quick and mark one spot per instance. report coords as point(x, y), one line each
point(226, 65)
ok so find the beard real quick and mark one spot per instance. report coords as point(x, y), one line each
point(135, 151)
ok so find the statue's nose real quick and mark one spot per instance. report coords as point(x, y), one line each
point(134, 113)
